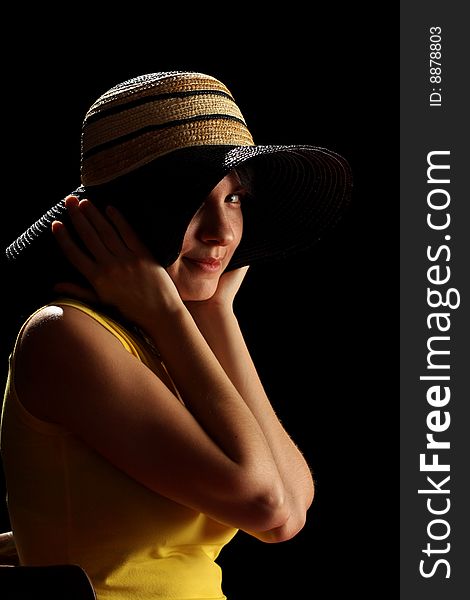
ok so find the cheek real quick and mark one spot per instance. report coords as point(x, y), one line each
point(178, 273)
point(190, 287)
point(237, 228)
point(188, 239)
point(172, 271)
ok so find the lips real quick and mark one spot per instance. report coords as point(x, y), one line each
point(208, 264)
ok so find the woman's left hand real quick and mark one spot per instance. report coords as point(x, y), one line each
point(227, 288)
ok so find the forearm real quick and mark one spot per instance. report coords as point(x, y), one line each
point(222, 332)
point(209, 393)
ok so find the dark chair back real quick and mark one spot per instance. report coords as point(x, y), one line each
point(57, 582)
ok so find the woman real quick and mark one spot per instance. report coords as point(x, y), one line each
point(137, 437)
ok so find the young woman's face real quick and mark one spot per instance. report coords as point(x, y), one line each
point(210, 241)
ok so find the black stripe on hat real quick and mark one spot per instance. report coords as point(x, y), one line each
point(114, 110)
point(129, 136)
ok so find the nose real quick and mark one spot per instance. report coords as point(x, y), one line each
point(215, 227)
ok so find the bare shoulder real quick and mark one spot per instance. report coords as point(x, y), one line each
point(58, 319)
point(59, 329)
point(58, 333)
point(57, 345)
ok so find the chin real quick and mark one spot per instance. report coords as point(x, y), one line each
point(193, 287)
point(197, 292)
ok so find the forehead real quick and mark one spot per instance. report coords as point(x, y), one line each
point(231, 181)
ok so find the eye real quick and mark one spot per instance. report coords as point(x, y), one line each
point(234, 198)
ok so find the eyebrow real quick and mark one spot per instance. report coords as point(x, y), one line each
point(240, 188)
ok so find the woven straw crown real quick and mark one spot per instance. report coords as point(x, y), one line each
point(149, 116)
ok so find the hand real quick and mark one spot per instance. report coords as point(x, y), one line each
point(227, 288)
point(121, 270)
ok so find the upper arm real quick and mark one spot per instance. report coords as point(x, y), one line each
point(72, 371)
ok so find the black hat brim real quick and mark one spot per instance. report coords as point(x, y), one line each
point(299, 193)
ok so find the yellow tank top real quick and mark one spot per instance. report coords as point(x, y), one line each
point(69, 505)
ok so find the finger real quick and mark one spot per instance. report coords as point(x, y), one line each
point(71, 201)
point(83, 263)
point(108, 234)
point(239, 274)
point(231, 281)
point(127, 232)
point(86, 231)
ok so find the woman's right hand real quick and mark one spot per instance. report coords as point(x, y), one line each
point(121, 270)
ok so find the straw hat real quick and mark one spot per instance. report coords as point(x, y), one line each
point(156, 144)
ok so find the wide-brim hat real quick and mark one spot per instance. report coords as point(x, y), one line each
point(156, 144)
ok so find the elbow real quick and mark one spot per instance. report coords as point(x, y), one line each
point(269, 508)
point(262, 506)
point(286, 523)
point(292, 526)
point(261, 501)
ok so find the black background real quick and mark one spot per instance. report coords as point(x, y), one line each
point(323, 328)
